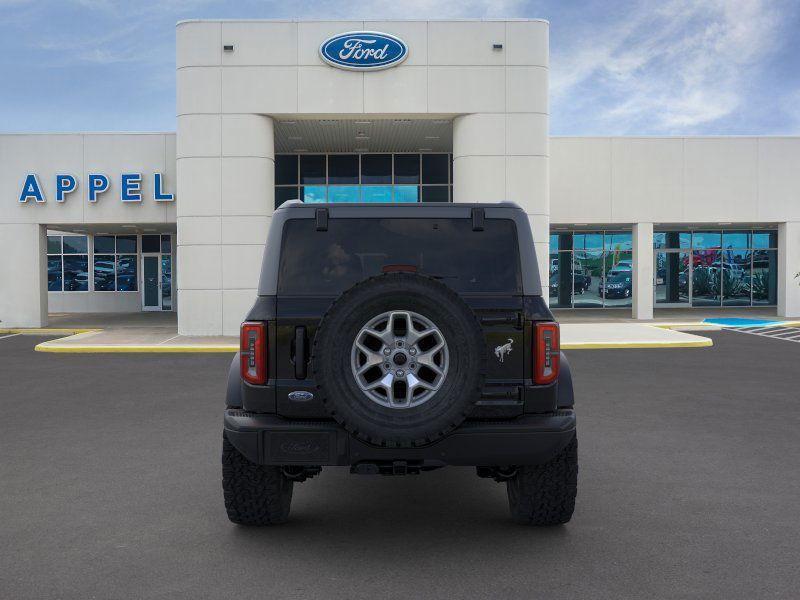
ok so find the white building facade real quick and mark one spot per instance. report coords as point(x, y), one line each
point(126, 222)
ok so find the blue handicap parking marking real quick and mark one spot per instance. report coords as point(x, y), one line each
point(742, 322)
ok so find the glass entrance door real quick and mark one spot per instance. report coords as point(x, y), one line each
point(151, 276)
point(672, 274)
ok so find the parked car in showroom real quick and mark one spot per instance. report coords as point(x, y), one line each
point(581, 281)
point(618, 285)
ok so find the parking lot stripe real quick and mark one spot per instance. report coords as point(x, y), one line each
point(2, 337)
point(789, 334)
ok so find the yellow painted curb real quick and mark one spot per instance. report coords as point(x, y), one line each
point(704, 343)
point(686, 326)
point(46, 331)
point(100, 349)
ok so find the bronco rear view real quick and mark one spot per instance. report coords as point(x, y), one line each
point(398, 339)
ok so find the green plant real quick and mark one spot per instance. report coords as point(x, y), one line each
point(761, 285)
point(705, 282)
point(733, 286)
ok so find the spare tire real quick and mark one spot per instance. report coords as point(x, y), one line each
point(399, 360)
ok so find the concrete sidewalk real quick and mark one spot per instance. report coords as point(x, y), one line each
point(583, 336)
point(597, 336)
point(157, 332)
point(138, 339)
point(124, 332)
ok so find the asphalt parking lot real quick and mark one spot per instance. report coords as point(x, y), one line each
point(689, 487)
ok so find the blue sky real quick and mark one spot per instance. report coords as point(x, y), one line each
point(617, 68)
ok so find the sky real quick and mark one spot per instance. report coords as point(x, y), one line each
point(669, 67)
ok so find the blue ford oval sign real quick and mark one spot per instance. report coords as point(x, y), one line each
point(363, 50)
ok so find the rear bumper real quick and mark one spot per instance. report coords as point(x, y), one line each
point(270, 440)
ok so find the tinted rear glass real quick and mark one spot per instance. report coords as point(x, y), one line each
point(329, 262)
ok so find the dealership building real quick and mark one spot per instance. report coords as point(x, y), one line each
point(389, 111)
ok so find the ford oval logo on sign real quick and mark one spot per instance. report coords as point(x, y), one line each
point(363, 50)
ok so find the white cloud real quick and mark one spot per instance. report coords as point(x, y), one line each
point(409, 9)
point(126, 35)
point(671, 68)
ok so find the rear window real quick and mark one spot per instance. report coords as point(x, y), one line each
point(328, 262)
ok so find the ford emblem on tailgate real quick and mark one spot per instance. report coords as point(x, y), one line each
point(300, 396)
point(363, 50)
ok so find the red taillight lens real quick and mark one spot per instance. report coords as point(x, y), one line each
point(253, 351)
point(546, 352)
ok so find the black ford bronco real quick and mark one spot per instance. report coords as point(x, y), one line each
point(397, 339)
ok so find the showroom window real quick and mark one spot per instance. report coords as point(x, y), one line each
point(591, 269)
point(115, 263)
point(67, 263)
point(716, 267)
point(376, 177)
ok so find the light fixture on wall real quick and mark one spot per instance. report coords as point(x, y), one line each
point(497, 46)
point(228, 48)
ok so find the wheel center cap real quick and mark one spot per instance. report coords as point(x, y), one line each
point(400, 358)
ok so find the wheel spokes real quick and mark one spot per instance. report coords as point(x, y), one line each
point(414, 383)
point(428, 358)
point(415, 336)
point(399, 359)
point(396, 317)
point(384, 336)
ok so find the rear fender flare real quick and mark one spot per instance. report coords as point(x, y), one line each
point(566, 397)
point(233, 396)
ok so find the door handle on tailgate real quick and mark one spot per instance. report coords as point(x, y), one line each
point(300, 357)
point(515, 320)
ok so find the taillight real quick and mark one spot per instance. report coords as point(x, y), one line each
point(546, 352)
point(253, 351)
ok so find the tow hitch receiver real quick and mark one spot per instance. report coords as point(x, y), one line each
point(397, 467)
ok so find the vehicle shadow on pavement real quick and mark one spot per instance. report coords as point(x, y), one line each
point(446, 504)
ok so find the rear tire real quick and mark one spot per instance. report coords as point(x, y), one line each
point(545, 494)
point(254, 494)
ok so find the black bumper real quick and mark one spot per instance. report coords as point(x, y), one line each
point(270, 440)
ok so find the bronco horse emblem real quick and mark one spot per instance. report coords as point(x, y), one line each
point(501, 351)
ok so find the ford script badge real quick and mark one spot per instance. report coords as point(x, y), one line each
point(300, 396)
point(363, 50)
